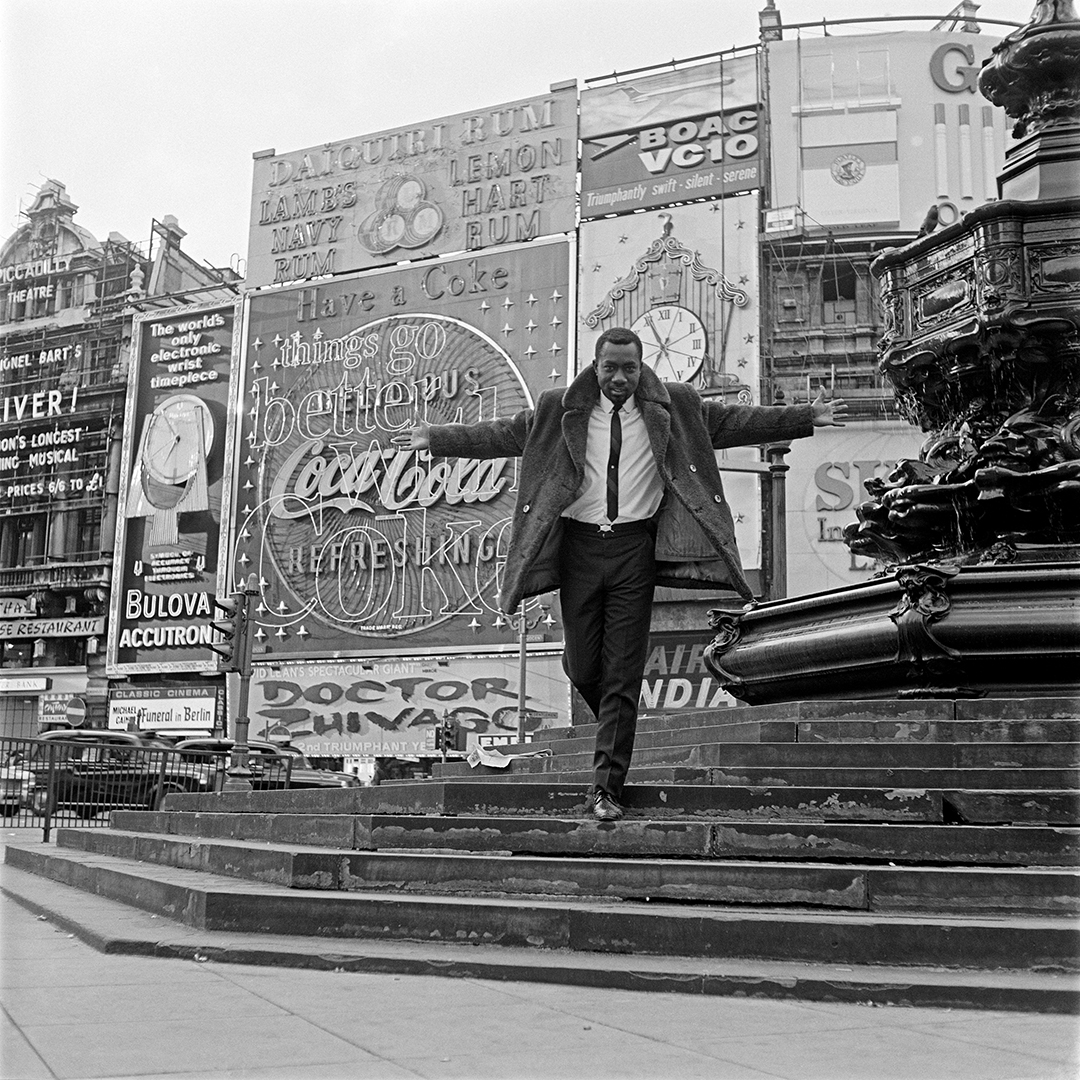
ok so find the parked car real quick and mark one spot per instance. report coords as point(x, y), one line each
point(16, 784)
point(270, 764)
point(93, 770)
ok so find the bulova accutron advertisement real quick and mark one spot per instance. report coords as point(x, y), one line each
point(170, 543)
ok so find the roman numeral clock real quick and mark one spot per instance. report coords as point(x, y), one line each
point(681, 310)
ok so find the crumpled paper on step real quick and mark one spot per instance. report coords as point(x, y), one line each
point(480, 755)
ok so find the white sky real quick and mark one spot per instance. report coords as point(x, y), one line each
point(144, 108)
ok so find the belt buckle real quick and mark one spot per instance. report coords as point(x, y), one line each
point(606, 528)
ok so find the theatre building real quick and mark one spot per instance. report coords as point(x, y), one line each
point(67, 301)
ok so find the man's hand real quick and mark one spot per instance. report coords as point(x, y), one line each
point(418, 437)
point(831, 413)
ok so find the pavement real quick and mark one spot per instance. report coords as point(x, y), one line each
point(72, 1011)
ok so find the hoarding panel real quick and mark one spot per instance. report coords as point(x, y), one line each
point(825, 484)
point(54, 435)
point(671, 137)
point(361, 545)
point(388, 707)
point(686, 282)
point(191, 709)
point(870, 131)
point(459, 183)
point(170, 544)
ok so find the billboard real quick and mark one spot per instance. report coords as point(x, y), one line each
point(676, 678)
point(870, 131)
point(361, 545)
point(54, 436)
point(388, 708)
point(686, 282)
point(170, 544)
point(459, 183)
point(671, 137)
point(189, 709)
point(825, 484)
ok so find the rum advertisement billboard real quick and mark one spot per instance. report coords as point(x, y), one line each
point(671, 137)
point(362, 545)
point(170, 545)
point(475, 180)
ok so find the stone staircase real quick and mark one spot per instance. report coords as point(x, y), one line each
point(920, 852)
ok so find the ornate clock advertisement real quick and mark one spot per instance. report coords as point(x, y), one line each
point(670, 137)
point(685, 281)
point(169, 538)
point(503, 175)
point(362, 546)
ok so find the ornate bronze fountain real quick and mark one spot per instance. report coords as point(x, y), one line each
point(982, 533)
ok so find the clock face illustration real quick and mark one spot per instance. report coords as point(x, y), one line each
point(673, 341)
point(179, 434)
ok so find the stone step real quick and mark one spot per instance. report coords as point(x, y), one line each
point(118, 929)
point(716, 767)
point(1000, 845)
point(955, 731)
point(862, 887)
point(213, 902)
point(491, 796)
point(892, 717)
point(854, 742)
point(966, 779)
point(691, 745)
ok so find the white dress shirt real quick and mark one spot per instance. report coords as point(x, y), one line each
point(640, 488)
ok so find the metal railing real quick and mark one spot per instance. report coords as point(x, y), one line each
point(49, 782)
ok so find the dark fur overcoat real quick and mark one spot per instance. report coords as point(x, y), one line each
point(695, 540)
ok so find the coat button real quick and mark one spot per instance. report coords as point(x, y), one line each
point(525, 508)
point(717, 498)
point(693, 468)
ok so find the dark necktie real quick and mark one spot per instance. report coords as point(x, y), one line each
point(613, 465)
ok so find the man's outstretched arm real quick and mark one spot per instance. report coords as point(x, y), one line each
point(486, 439)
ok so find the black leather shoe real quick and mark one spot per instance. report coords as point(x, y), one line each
point(606, 807)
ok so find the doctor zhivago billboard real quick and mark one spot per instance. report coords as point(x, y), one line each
point(363, 547)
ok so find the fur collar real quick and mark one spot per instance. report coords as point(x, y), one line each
point(584, 392)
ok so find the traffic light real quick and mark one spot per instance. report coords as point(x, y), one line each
point(448, 735)
point(232, 631)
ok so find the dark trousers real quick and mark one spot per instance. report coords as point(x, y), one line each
point(606, 594)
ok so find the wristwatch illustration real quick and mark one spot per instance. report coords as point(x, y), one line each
point(169, 473)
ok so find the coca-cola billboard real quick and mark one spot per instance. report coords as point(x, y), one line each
point(360, 544)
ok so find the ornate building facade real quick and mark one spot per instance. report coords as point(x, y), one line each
point(66, 304)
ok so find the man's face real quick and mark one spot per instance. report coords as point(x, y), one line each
point(618, 371)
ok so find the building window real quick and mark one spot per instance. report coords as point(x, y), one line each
point(17, 654)
point(843, 79)
point(838, 282)
point(22, 540)
point(87, 539)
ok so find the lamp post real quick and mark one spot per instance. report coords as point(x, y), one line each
point(523, 624)
point(238, 777)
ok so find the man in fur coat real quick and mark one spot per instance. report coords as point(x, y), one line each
point(619, 491)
